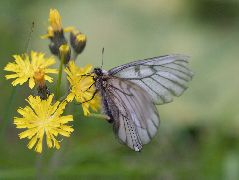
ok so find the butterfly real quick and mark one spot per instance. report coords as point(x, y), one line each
point(130, 93)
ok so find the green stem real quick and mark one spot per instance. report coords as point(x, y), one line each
point(56, 159)
point(99, 116)
point(8, 111)
point(74, 55)
point(39, 167)
point(58, 86)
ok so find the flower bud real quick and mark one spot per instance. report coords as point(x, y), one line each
point(65, 53)
point(55, 20)
point(57, 40)
point(78, 41)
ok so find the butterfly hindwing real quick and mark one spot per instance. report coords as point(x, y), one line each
point(136, 119)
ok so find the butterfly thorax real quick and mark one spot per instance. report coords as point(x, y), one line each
point(100, 78)
point(101, 85)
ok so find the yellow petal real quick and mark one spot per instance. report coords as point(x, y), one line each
point(48, 139)
point(67, 128)
point(39, 144)
point(28, 133)
point(56, 144)
point(32, 142)
point(50, 61)
point(63, 133)
point(85, 107)
point(10, 67)
point(31, 83)
point(48, 78)
point(11, 76)
point(19, 81)
point(65, 119)
point(69, 29)
point(52, 71)
point(70, 97)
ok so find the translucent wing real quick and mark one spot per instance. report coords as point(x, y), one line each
point(162, 77)
point(136, 118)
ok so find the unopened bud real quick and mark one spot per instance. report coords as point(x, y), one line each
point(65, 53)
point(55, 20)
point(78, 41)
point(57, 40)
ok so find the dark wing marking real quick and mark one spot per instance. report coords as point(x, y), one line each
point(136, 119)
point(162, 77)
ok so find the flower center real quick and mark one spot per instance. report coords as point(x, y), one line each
point(45, 122)
point(39, 77)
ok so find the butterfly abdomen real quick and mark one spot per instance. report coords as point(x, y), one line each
point(107, 110)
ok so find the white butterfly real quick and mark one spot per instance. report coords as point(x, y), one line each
point(129, 93)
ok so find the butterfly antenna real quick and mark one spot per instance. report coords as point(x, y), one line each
point(102, 57)
point(29, 36)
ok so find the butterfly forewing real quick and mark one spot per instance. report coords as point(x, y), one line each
point(162, 77)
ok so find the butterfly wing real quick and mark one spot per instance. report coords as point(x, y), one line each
point(136, 119)
point(162, 77)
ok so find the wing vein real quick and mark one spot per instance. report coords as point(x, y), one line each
point(167, 89)
point(152, 90)
point(182, 86)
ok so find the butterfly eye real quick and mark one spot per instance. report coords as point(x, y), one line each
point(98, 71)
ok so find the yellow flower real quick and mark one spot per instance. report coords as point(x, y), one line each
point(55, 24)
point(42, 118)
point(55, 20)
point(28, 67)
point(82, 87)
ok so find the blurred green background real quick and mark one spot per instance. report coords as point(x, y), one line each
point(199, 133)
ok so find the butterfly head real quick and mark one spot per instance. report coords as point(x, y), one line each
point(100, 72)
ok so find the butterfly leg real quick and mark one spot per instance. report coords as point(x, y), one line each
point(100, 116)
point(88, 99)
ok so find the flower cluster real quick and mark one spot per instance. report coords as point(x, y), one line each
point(43, 117)
point(56, 34)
